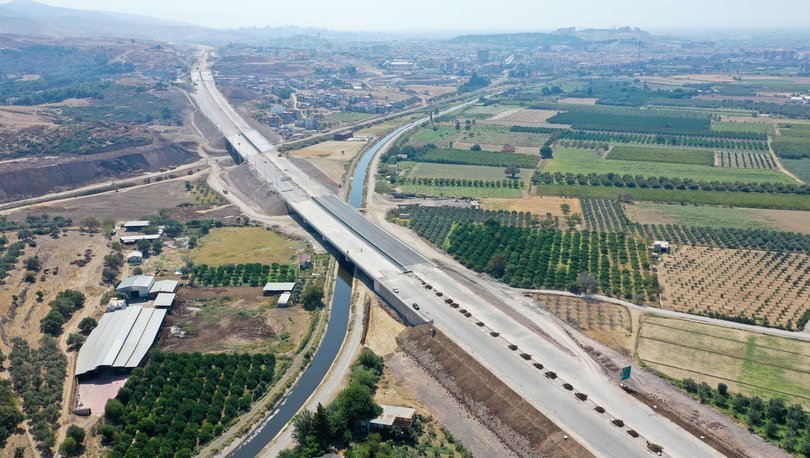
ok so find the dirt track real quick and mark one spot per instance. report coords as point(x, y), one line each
point(516, 422)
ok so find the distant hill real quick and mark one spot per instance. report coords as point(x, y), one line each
point(519, 39)
point(27, 17)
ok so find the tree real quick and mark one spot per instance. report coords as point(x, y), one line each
point(114, 410)
point(587, 282)
point(33, 264)
point(312, 297)
point(512, 172)
point(356, 403)
point(88, 324)
point(77, 433)
point(91, 223)
point(75, 340)
point(546, 152)
point(107, 433)
point(475, 147)
point(69, 447)
point(52, 323)
point(722, 388)
point(497, 265)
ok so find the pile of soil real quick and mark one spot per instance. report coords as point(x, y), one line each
point(516, 422)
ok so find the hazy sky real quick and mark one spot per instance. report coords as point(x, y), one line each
point(374, 15)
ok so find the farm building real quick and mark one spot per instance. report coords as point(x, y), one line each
point(304, 261)
point(134, 226)
point(164, 300)
point(278, 287)
point(116, 304)
point(341, 136)
point(130, 239)
point(134, 257)
point(163, 287)
point(660, 246)
point(136, 287)
point(120, 340)
point(393, 417)
point(283, 300)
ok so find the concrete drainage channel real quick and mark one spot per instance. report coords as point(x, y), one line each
point(551, 376)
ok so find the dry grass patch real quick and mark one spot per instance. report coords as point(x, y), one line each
point(242, 245)
point(579, 100)
point(608, 323)
point(335, 150)
point(537, 205)
point(524, 117)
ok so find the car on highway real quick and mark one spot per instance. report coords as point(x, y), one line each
point(396, 290)
point(415, 306)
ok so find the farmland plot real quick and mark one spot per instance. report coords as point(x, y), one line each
point(736, 159)
point(762, 287)
point(527, 117)
point(742, 127)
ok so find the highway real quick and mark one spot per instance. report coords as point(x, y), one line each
point(392, 265)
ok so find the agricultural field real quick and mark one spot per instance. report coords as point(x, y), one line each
point(435, 230)
point(204, 195)
point(635, 121)
point(605, 215)
point(680, 141)
point(485, 111)
point(727, 237)
point(717, 217)
point(578, 161)
point(471, 172)
point(538, 205)
point(186, 416)
point(245, 245)
point(522, 117)
point(719, 198)
point(444, 135)
point(243, 274)
point(793, 141)
point(483, 158)
point(342, 117)
point(767, 288)
point(540, 258)
point(750, 363)
point(736, 159)
point(608, 323)
point(667, 155)
point(742, 127)
point(461, 191)
point(799, 167)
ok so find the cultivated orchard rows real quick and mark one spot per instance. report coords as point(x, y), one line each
point(761, 287)
point(743, 160)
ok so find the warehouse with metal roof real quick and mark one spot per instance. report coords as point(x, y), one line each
point(120, 340)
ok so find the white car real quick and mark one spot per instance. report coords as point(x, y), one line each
point(396, 290)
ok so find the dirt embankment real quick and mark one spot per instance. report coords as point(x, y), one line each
point(243, 180)
point(33, 178)
point(516, 422)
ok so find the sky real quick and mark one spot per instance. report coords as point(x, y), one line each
point(483, 15)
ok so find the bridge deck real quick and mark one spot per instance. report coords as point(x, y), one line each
point(385, 243)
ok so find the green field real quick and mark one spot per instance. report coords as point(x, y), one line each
point(667, 155)
point(799, 167)
point(484, 158)
point(723, 198)
point(462, 191)
point(742, 127)
point(588, 161)
point(345, 117)
point(443, 134)
point(471, 172)
point(703, 215)
point(793, 141)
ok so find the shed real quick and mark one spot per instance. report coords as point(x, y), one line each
point(134, 226)
point(130, 239)
point(278, 287)
point(134, 257)
point(116, 304)
point(283, 300)
point(163, 286)
point(164, 300)
point(393, 417)
point(660, 246)
point(136, 287)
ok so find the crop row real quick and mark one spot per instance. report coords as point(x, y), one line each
point(505, 183)
point(742, 127)
point(604, 215)
point(630, 181)
point(761, 239)
point(743, 160)
point(243, 274)
point(485, 158)
point(433, 224)
point(671, 140)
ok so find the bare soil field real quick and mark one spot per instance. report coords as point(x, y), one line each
point(335, 150)
point(608, 323)
point(579, 100)
point(537, 205)
point(748, 362)
point(530, 150)
point(527, 431)
point(16, 117)
point(768, 287)
point(431, 91)
point(522, 117)
point(129, 203)
point(236, 319)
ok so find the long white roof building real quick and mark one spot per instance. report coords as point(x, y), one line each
point(121, 339)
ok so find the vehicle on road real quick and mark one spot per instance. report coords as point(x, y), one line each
point(415, 306)
point(396, 290)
